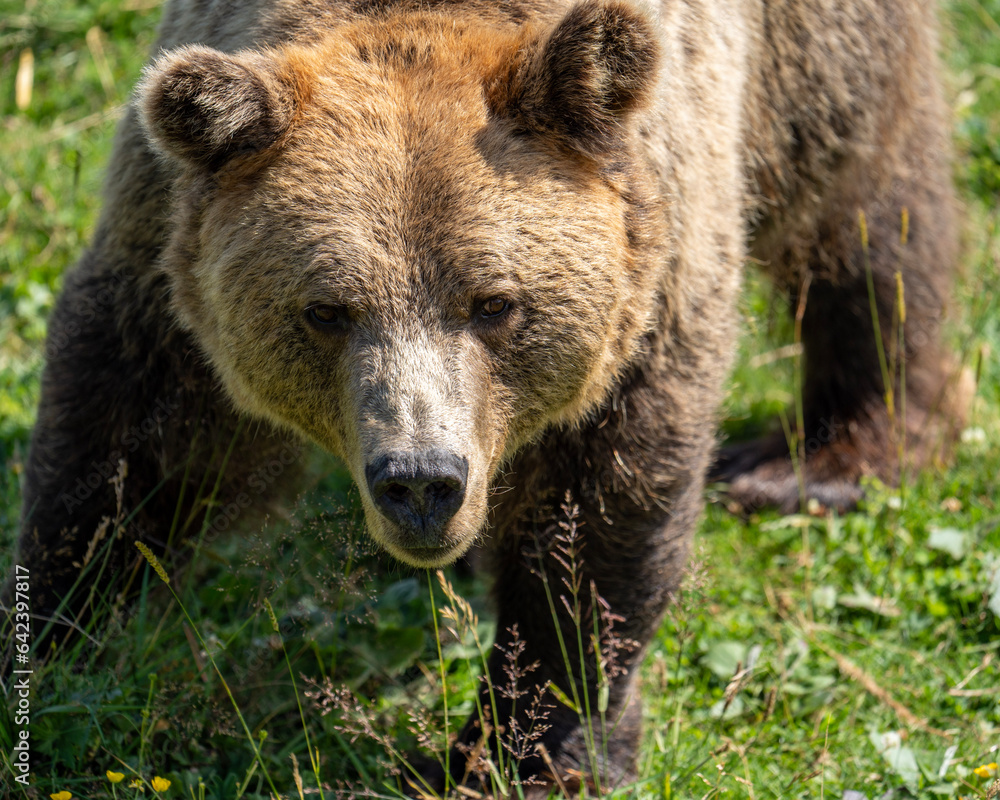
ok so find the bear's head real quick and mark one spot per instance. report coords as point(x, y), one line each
point(417, 241)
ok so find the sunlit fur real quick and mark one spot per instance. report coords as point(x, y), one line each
point(399, 183)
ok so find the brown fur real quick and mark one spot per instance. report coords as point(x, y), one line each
point(398, 165)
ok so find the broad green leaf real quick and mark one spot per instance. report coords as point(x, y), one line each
point(948, 540)
point(994, 589)
point(394, 649)
point(824, 597)
point(900, 758)
point(865, 600)
point(721, 711)
point(724, 657)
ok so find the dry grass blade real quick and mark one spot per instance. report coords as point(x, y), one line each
point(95, 43)
point(25, 79)
point(77, 126)
point(853, 672)
point(974, 692)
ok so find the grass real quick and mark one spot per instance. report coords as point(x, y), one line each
point(808, 656)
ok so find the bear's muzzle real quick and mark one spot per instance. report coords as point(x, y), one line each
point(419, 493)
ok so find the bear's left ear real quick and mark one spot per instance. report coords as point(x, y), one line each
point(203, 107)
point(581, 81)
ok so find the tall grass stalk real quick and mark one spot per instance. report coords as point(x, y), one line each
point(313, 756)
point(158, 568)
point(887, 377)
point(569, 561)
point(461, 614)
point(798, 448)
point(444, 684)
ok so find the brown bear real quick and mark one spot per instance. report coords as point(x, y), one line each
point(471, 247)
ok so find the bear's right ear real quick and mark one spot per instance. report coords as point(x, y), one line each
point(204, 107)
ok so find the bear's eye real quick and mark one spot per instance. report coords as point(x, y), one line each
point(328, 317)
point(494, 307)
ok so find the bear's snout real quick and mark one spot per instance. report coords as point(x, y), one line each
point(419, 492)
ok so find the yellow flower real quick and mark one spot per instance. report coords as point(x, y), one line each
point(63, 795)
point(115, 777)
point(136, 783)
point(986, 770)
point(160, 784)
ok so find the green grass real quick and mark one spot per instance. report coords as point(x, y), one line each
point(850, 635)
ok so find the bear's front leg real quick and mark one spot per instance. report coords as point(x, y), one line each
point(133, 443)
point(583, 573)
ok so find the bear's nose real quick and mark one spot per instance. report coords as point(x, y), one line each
point(420, 492)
